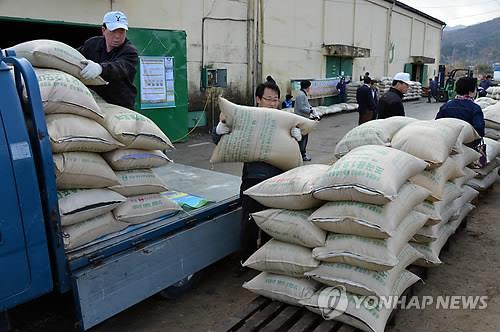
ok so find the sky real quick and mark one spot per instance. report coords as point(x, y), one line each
point(458, 12)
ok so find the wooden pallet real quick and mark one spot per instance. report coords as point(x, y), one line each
point(263, 314)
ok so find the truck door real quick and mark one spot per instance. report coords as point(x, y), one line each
point(24, 260)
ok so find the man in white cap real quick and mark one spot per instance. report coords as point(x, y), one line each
point(391, 103)
point(114, 58)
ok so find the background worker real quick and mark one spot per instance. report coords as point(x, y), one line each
point(266, 95)
point(366, 103)
point(391, 103)
point(432, 90)
point(304, 109)
point(342, 89)
point(288, 102)
point(113, 57)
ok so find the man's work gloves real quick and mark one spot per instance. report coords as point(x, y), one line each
point(91, 70)
point(295, 132)
point(222, 129)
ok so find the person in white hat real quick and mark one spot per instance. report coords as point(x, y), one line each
point(113, 57)
point(391, 103)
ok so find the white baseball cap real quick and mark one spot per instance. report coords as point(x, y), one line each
point(115, 20)
point(403, 77)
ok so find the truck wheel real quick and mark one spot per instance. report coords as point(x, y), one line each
point(180, 287)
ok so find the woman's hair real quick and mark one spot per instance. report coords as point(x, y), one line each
point(305, 84)
point(465, 85)
point(270, 83)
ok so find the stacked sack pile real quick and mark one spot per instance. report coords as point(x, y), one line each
point(335, 108)
point(485, 102)
point(493, 92)
point(414, 91)
point(351, 91)
point(103, 153)
point(390, 202)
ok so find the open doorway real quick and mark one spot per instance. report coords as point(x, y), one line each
point(18, 31)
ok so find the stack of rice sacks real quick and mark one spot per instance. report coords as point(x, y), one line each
point(351, 91)
point(414, 92)
point(90, 141)
point(367, 222)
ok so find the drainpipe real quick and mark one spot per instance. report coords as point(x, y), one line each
point(260, 41)
point(388, 39)
point(250, 50)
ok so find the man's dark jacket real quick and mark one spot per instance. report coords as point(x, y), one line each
point(118, 68)
point(365, 100)
point(390, 104)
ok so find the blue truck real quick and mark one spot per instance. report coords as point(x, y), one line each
point(115, 272)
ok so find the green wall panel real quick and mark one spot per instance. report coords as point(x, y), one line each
point(149, 42)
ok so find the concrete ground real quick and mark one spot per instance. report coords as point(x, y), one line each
point(471, 266)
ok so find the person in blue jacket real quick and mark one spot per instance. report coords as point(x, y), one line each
point(342, 89)
point(463, 106)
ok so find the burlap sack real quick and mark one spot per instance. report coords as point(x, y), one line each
point(369, 220)
point(492, 116)
point(291, 190)
point(83, 170)
point(282, 258)
point(466, 157)
point(467, 133)
point(469, 175)
point(290, 226)
point(138, 182)
point(371, 254)
point(492, 149)
point(89, 230)
point(430, 140)
point(62, 93)
point(133, 129)
point(144, 208)
point(260, 134)
point(361, 281)
point(77, 205)
point(377, 132)
point(440, 211)
point(282, 288)
point(69, 132)
point(366, 317)
point(370, 174)
point(127, 159)
point(53, 54)
point(485, 182)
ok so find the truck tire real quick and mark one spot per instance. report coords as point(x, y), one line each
point(443, 96)
point(182, 286)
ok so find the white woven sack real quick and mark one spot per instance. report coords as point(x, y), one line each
point(69, 132)
point(369, 220)
point(492, 116)
point(291, 190)
point(485, 182)
point(282, 258)
point(492, 149)
point(469, 175)
point(466, 157)
point(428, 140)
point(143, 208)
point(128, 159)
point(260, 134)
point(361, 281)
point(89, 230)
point(47, 53)
point(431, 250)
point(77, 205)
point(370, 174)
point(492, 133)
point(367, 316)
point(282, 288)
point(377, 132)
point(482, 172)
point(371, 254)
point(84, 170)
point(467, 133)
point(63, 94)
point(138, 182)
point(466, 198)
point(133, 129)
point(438, 211)
point(290, 226)
point(461, 215)
point(435, 179)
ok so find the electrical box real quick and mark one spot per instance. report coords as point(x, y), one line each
point(213, 78)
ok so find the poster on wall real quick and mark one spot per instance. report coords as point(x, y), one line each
point(157, 82)
point(320, 88)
